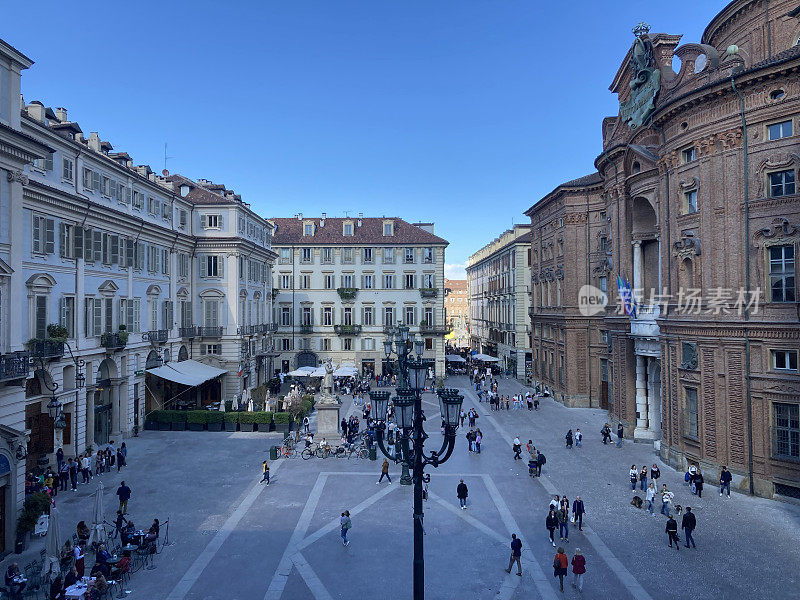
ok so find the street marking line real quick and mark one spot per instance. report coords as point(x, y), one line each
point(626, 578)
point(204, 558)
point(334, 524)
point(278, 581)
point(313, 582)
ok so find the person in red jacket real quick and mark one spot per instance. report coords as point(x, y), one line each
point(560, 566)
point(578, 569)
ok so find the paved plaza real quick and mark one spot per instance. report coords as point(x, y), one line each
point(233, 538)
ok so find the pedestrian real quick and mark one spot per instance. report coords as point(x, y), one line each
point(560, 566)
point(265, 470)
point(80, 564)
point(643, 478)
point(85, 468)
point(551, 522)
point(578, 510)
point(343, 426)
point(578, 569)
point(517, 448)
point(478, 441)
point(666, 501)
point(634, 475)
point(563, 523)
point(536, 402)
point(516, 554)
point(118, 523)
point(555, 503)
point(73, 473)
point(569, 439)
point(655, 474)
point(688, 524)
point(725, 478)
point(124, 493)
point(672, 532)
point(540, 461)
point(606, 433)
point(63, 475)
point(469, 436)
point(650, 496)
point(345, 524)
point(59, 458)
point(462, 493)
point(698, 481)
point(384, 472)
point(620, 434)
point(122, 456)
point(529, 400)
point(578, 437)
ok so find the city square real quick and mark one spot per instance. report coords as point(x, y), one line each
point(494, 301)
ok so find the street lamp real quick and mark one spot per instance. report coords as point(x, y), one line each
point(410, 436)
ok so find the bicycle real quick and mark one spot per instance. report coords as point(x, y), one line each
point(288, 452)
point(359, 452)
point(310, 451)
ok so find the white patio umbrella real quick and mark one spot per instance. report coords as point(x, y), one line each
point(235, 403)
point(222, 405)
point(52, 546)
point(98, 533)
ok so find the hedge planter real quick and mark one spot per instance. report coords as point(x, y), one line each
point(218, 426)
point(179, 426)
point(230, 426)
point(282, 428)
point(215, 420)
point(195, 426)
point(163, 426)
point(151, 425)
point(246, 426)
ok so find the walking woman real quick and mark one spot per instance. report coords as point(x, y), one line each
point(563, 524)
point(551, 523)
point(655, 474)
point(643, 478)
point(346, 524)
point(560, 567)
point(568, 438)
point(578, 569)
point(634, 474)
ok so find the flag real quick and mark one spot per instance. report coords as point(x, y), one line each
point(239, 373)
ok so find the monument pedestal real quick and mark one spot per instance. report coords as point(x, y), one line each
point(327, 419)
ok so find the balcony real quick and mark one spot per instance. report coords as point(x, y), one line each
point(247, 330)
point(429, 292)
point(347, 329)
point(432, 329)
point(47, 349)
point(114, 342)
point(272, 326)
point(187, 332)
point(209, 332)
point(347, 293)
point(645, 330)
point(156, 336)
point(307, 328)
point(14, 365)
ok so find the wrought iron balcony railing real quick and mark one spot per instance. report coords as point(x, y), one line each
point(429, 292)
point(347, 329)
point(187, 332)
point(347, 293)
point(14, 365)
point(113, 341)
point(209, 332)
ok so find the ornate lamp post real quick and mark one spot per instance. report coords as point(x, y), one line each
point(410, 435)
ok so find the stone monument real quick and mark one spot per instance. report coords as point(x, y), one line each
point(327, 406)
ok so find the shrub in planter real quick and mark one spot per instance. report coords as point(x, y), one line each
point(196, 419)
point(35, 505)
point(178, 420)
point(162, 418)
point(263, 419)
point(247, 421)
point(231, 421)
point(282, 422)
point(214, 420)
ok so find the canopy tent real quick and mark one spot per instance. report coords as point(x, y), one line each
point(187, 372)
point(345, 371)
point(318, 372)
point(302, 372)
point(455, 358)
point(485, 358)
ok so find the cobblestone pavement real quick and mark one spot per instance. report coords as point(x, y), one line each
point(234, 538)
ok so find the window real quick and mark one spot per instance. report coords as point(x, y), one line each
point(408, 256)
point(787, 430)
point(153, 206)
point(388, 316)
point(138, 200)
point(5, 93)
point(327, 255)
point(781, 273)
point(690, 424)
point(93, 316)
point(212, 348)
point(427, 255)
point(305, 281)
point(329, 281)
point(347, 255)
point(428, 316)
point(211, 313)
point(388, 255)
point(690, 202)
point(603, 243)
point(347, 281)
point(286, 255)
point(183, 265)
point(428, 343)
point(211, 221)
point(409, 281)
point(286, 282)
point(780, 130)
point(347, 344)
point(347, 315)
point(66, 314)
point(308, 229)
point(305, 255)
point(327, 316)
point(326, 343)
point(347, 229)
point(409, 315)
point(366, 282)
point(602, 215)
point(366, 254)
point(388, 228)
point(153, 313)
point(286, 316)
point(43, 235)
point(428, 281)
point(368, 344)
point(286, 344)
point(368, 319)
point(388, 281)
point(307, 317)
point(66, 240)
point(211, 265)
point(781, 183)
point(604, 284)
point(784, 360)
point(688, 155)
point(67, 169)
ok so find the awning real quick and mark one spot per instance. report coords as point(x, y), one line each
point(187, 372)
point(302, 372)
point(455, 358)
point(484, 358)
point(345, 372)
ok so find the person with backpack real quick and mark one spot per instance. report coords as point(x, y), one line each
point(725, 478)
point(540, 462)
point(560, 567)
point(516, 554)
point(697, 481)
point(345, 524)
point(672, 532)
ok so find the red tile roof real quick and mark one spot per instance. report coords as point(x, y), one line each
point(290, 231)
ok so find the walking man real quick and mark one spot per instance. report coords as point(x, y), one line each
point(517, 448)
point(672, 531)
point(620, 434)
point(688, 523)
point(265, 468)
point(345, 524)
point(578, 510)
point(72, 465)
point(551, 522)
point(606, 432)
point(650, 496)
point(384, 472)
point(124, 493)
point(563, 523)
point(578, 437)
point(462, 493)
point(725, 481)
point(540, 461)
point(666, 501)
point(516, 554)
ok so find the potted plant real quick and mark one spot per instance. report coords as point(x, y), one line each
point(263, 420)
point(178, 420)
point(247, 421)
point(231, 420)
point(214, 420)
point(34, 506)
point(196, 420)
point(57, 332)
point(163, 418)
point(282, 422)
point(150, 421)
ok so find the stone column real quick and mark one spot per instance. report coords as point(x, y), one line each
point(638, 273)
point(654, 396)
point(641, 394)
point(90, 392)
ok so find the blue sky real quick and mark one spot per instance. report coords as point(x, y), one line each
point(461, 112)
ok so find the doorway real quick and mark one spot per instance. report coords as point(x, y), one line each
point(102, 416)
point(367, 368)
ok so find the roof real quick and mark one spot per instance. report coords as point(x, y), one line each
point(289, 230)
point(589, 180)
point(187, 372)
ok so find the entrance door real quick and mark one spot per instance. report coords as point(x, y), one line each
point(102, 424)
point(367, 368)
point(136, 405)
point(285, 366)
point(604, 404)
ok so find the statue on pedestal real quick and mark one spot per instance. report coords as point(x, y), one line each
point(327, 397)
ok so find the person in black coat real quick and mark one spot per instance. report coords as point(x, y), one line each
point(697, 479)
point(688, 523)
point(578, 510)
point(551, 523)
point(540, 461)
point(462, 493)
point(672, 531)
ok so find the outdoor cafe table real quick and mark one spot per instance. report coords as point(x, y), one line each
point(129, 548)
point(78, 590)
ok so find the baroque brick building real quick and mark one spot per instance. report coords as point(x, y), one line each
point(699, 177)
point(456, 312)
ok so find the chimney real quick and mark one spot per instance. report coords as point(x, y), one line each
point(61, 114)
point(322, 221)
point(299, 216)
point(94, 141)
point(360, 216)
point(36, 111)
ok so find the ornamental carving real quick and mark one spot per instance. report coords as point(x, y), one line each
point(707, 145)
point(779, 229)
point(692, 184)
point(575, 218)
point(779, 161)
point(17, 175)
point(731, 139)
point(560, 272)
point(605, 267)
point(688, 245)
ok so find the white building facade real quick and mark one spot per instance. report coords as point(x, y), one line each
point(341, 282)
